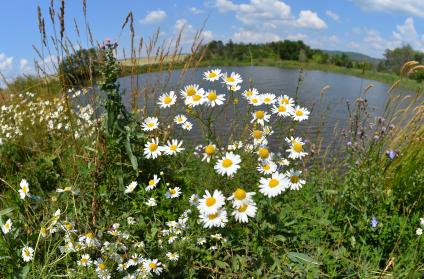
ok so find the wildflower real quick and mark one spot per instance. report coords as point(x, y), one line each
point(187, 126)
point(173, 257)
point(101, 268)
point(130, 220)
point(267, 167)
point(213, 99)
point(374, 222)
point(201, 241)
point(260, 117)
point(268, 98)
point(85, 260)
point(285, 100)
point(234, 88)
point(151, 202)
point(173, 147)
point(255, 100)
point(296, 148)
point(173, 193)
point(419, 231)
point(209, 152)
point(211, 203)
point(228, 165)
point(27, 254)
point(130, 188)
point(212, 75)
point(152, 149)
point(245, 210)
point(153, 266)
point(295, 183)
point(24, 191)
point(282, 110)
point(122, 267)
point(217, 219)
point(150, 124)
point(422, 221)
point(264, 153)
point(180, 119)
point(300, 114)
point(231, 80)
point(191, 90)
point(391, 154)
point(7, 227)
point(250, 92)
point(240, 196)
point(167, 100)
point(273, 186)
point(194, 199)
point(153, 182)
point(197, 99)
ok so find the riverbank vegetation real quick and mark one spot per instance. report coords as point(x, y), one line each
point(92, 187)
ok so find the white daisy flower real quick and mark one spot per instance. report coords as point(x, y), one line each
point(130, 188)
point(201, 241)
point(209, 152)
point(27, 254)
point(152, 149)
point(213, 99)
point(283, 110)
point(173, 147)
point(180, 119)
point(150, 124)
point(240, 196)
point(295, 182)
point(268, 98)
point(173, 193)
point(259, 137)
point(167, 100)
point(85, 260)
point(233, 88)
point(260, 117)
point(228, 165)
point(255, 100)
point(250, 92)
point(24, 191)
point(285, 100)
point(191, 90)
point(187, 126)
point(173, 257)
point(210, 204)
point(153, 183)
point(217, 219)
point(264, 153)
point(300, 114)
point(242, 212)
point(7, 227)
point(212, 75)
point(197, 99)
point(194, 200)
point(296, 148)
point(274, 185)
point(267, 167)
point(153, 266)
point(101, 267)
point(151, 202)
point(231, 80)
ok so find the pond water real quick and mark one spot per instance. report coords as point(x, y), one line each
point(328, 112)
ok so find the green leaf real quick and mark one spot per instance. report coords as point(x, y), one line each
point(6, 211)
point(130, 154)
point(221, 264)
point(302, 258)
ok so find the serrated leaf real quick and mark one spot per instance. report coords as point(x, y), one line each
point(221, 264)
point(302, 258)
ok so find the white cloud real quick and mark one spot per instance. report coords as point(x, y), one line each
point(309, 19)
point(412, 7)
point(196, 11)
point(24, 66)
point(182, 23)
point(207, 36)
point(333, 15)
point(6, 63)
point(334, 39)
point(297, 37)
point(249, 36)
point(406, 33)
point(271, 14)
point(154, 17)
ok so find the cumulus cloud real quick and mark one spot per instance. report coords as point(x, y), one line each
point(154, 17)
point(297, 37)
point(249, 36)
point(189, 32)
point(332, 15)
point(309, 19)
point(412, 7)
point(24, 66)
point(195, 10)
point(6, 63)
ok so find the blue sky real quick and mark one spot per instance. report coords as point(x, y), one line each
point(367, 26)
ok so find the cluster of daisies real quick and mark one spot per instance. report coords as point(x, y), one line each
point(25, 111)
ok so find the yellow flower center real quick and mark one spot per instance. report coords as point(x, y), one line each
point(150, 124)
point(282, 108)
point(68, 226)
point(102, 266)
point(89, 235)
point(226, 163)
point(212, 96)
point(25, 189)
point(191, 91)
point(27, 253)
point(152, 182)
point(7, 226)
point(196, 97)
point(43, 230)
point(267, 100)
point(153, 147)
point(297, 147)
point(263, 153)
point(266, 167)
point(285, 101)
point(260, 114)
point(172, 191)
point(180, 119)
point(273, 183)
point(230, 79)
point(173, 147)
point(210, 150)
point(254, 100)
point(243, 208)
point(257, 134)
point(240, 194)
point(294, 179)
point(212, 74)
point(299, 113)
point(249, 93)
point(210, 201)
point(84, 260)
point(167, 100)
point(213, 216)
point(152, 265)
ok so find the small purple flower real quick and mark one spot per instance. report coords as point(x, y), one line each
point(374, 222)
point(391, 154)
point(391, 126)
point(376, 138)
point(349, 143)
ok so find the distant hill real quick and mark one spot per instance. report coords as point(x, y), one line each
point(354, 56)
